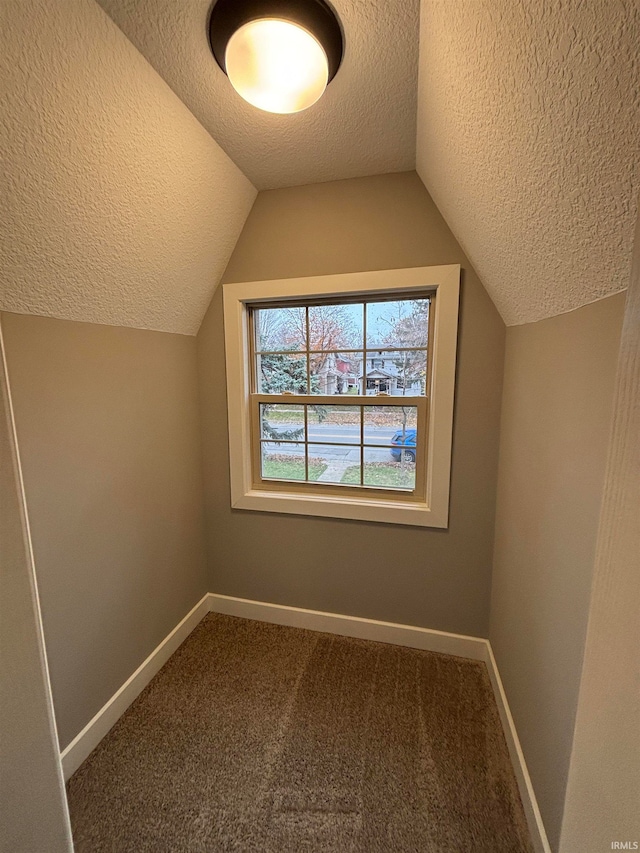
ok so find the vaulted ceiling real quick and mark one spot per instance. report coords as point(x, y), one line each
point(529, 126)
point(528, 119)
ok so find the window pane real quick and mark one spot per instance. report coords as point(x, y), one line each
point(404, 323)
point(285, 422)
point(335, 424)
point(333, 327)
point(384, 470)
point(334, 460)
point(280, 329)
point(282, 372)
point(384, 425)
point(282, 461)
point(396, 373)
point(335, 373)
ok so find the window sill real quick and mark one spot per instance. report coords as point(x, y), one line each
point(394, 511)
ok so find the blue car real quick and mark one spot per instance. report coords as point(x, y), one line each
point(408, 445)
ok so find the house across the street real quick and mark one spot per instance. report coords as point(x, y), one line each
point(386, 373)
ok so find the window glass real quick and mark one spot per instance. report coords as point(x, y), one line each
point(336, 327)
point(398, 324)
point(384, 424)
point(336, 459)
point(362, 349)
point(334, 424)
point(283, 460)
point(282, 422)
point(278, 373)
point(321, 349)
point(280, 329)
point(397, 474)
point(328, 443)
point(400, 373)
point(335, 373)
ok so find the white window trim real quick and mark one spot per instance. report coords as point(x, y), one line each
point(434, 510)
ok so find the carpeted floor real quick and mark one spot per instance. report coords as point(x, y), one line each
point(255, 737)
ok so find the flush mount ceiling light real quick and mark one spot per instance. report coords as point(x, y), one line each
point(278, 54)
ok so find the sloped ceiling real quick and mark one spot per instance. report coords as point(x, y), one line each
point(528, 127)
point(116, 206)
point(365, 123)
point(529, 142)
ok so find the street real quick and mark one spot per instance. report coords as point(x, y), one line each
point(343, 435)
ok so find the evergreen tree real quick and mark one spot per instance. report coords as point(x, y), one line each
point(280, 373)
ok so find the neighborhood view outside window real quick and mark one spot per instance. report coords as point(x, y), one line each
point(339, 391)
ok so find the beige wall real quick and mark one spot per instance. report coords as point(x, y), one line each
point(603, 790)
point(117, 208)
point(435, 578)
point(556, 412)
point(107, 420)
point(33, 816)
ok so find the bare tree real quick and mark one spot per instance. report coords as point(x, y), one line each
point(408, 327)
point(331, 328)
point(408, 324)
point(273, 329)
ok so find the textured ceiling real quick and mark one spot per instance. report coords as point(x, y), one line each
point(529, 142)
point(363, 125)
point(116, 206)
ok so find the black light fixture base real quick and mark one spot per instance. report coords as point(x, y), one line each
point(316, 16)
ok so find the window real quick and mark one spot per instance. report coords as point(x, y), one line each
point(305, 357)
point(340, 394)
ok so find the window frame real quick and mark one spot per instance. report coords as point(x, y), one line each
point(431, 509)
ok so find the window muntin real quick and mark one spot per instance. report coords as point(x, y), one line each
point(346, 445)
point(306, 357)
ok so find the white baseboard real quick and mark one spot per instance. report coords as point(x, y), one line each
point(527, 794)
point(427, 639)
point(351, 626)
point(86, 741)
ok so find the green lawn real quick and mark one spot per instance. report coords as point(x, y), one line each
point(390, 474)
point(281, 467)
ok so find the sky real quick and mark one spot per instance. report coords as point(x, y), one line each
point(380, 316)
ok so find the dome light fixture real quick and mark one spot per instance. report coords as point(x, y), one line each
point(279, 55)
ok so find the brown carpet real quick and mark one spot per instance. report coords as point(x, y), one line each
point(255, 737)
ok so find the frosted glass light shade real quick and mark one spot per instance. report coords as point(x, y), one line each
point(276, 65)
